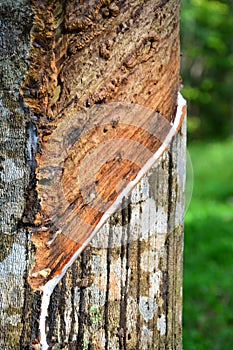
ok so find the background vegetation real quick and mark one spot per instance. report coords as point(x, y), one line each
point(207, 66)
point(207, 71)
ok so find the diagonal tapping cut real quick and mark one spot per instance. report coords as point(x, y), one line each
point(78, 194)
point(84, 176)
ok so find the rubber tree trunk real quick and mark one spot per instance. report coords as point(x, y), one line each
point(56, 59)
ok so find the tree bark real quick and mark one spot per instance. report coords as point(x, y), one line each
point(58, 58)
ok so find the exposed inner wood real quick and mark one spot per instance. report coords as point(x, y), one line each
point(87, 53)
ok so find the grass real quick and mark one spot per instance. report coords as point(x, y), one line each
point(208, 256)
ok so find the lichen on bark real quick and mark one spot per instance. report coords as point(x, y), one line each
point(15, 25)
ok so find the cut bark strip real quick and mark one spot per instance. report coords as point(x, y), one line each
point(84, 174)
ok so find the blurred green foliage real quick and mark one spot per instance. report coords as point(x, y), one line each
point(208, 269)
point(207, 66)
point(207, 72)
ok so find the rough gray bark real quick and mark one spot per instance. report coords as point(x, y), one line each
point(121, 296)
point(14, 171)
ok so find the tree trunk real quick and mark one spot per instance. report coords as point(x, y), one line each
point(58, 59)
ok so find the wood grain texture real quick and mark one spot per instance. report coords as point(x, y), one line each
point(67, 68)
point(83, 174)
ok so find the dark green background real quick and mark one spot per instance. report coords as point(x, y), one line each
point(207, 72)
